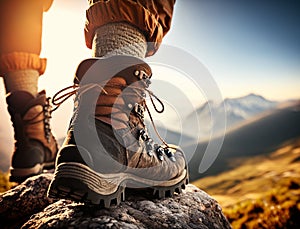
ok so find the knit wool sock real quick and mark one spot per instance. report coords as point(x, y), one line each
point(119, 39)
point(22, 80)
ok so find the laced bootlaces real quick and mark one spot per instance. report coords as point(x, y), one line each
point(64, 94)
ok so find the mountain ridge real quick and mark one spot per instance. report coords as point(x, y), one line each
point(217, 117)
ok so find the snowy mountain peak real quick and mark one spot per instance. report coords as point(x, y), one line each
point(248, 105)
point(236, 110)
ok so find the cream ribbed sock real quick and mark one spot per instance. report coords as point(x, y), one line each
point(119, 39)
point(22, 80)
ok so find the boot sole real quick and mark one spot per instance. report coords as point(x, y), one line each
point(78, 182)
point(21, 174)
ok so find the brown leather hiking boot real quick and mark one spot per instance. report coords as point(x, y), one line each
point(108, 147)
point(35, 146)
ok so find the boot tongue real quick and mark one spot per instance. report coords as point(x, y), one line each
point(19, 101)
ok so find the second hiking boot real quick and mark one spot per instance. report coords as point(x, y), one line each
point(108, 147)
point(35, 146)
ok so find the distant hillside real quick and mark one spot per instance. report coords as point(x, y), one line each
point(262, 191)
point(258, 137)
point(170, 136)
point(236, 110)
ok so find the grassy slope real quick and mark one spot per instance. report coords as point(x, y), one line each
point(263, 192)
point(4, 182)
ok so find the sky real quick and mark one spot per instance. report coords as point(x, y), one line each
point(246, 46)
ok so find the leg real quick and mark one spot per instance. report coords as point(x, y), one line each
point(148, 18)
point(21, 66)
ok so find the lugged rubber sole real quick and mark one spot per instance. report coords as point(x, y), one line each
point(21, 174)
point(78, 182)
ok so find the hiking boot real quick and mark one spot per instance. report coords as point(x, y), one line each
point(108, 147)
point(35, 146)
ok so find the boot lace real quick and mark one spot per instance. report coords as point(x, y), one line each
point(46, 113)
point(64, 94)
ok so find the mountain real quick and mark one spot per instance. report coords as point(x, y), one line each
point(247, 106)
point(227, 114)
point(256, 137)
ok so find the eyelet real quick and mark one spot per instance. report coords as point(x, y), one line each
point(143, 135)
point(170, 155)
point(160, 153)
point(139, 110)
point(130, 106)
point(137, 73)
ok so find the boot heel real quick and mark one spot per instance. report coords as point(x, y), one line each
point(78, 182)
point(21, 174)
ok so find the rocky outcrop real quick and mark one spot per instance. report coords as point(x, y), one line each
point(27, 206)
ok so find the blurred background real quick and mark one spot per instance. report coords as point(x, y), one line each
point(251, 50)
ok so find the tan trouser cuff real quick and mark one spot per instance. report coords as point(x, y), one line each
point(102, 13)
point(22, 61)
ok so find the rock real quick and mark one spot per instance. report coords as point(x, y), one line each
point(27, 206)
point(19, 203)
